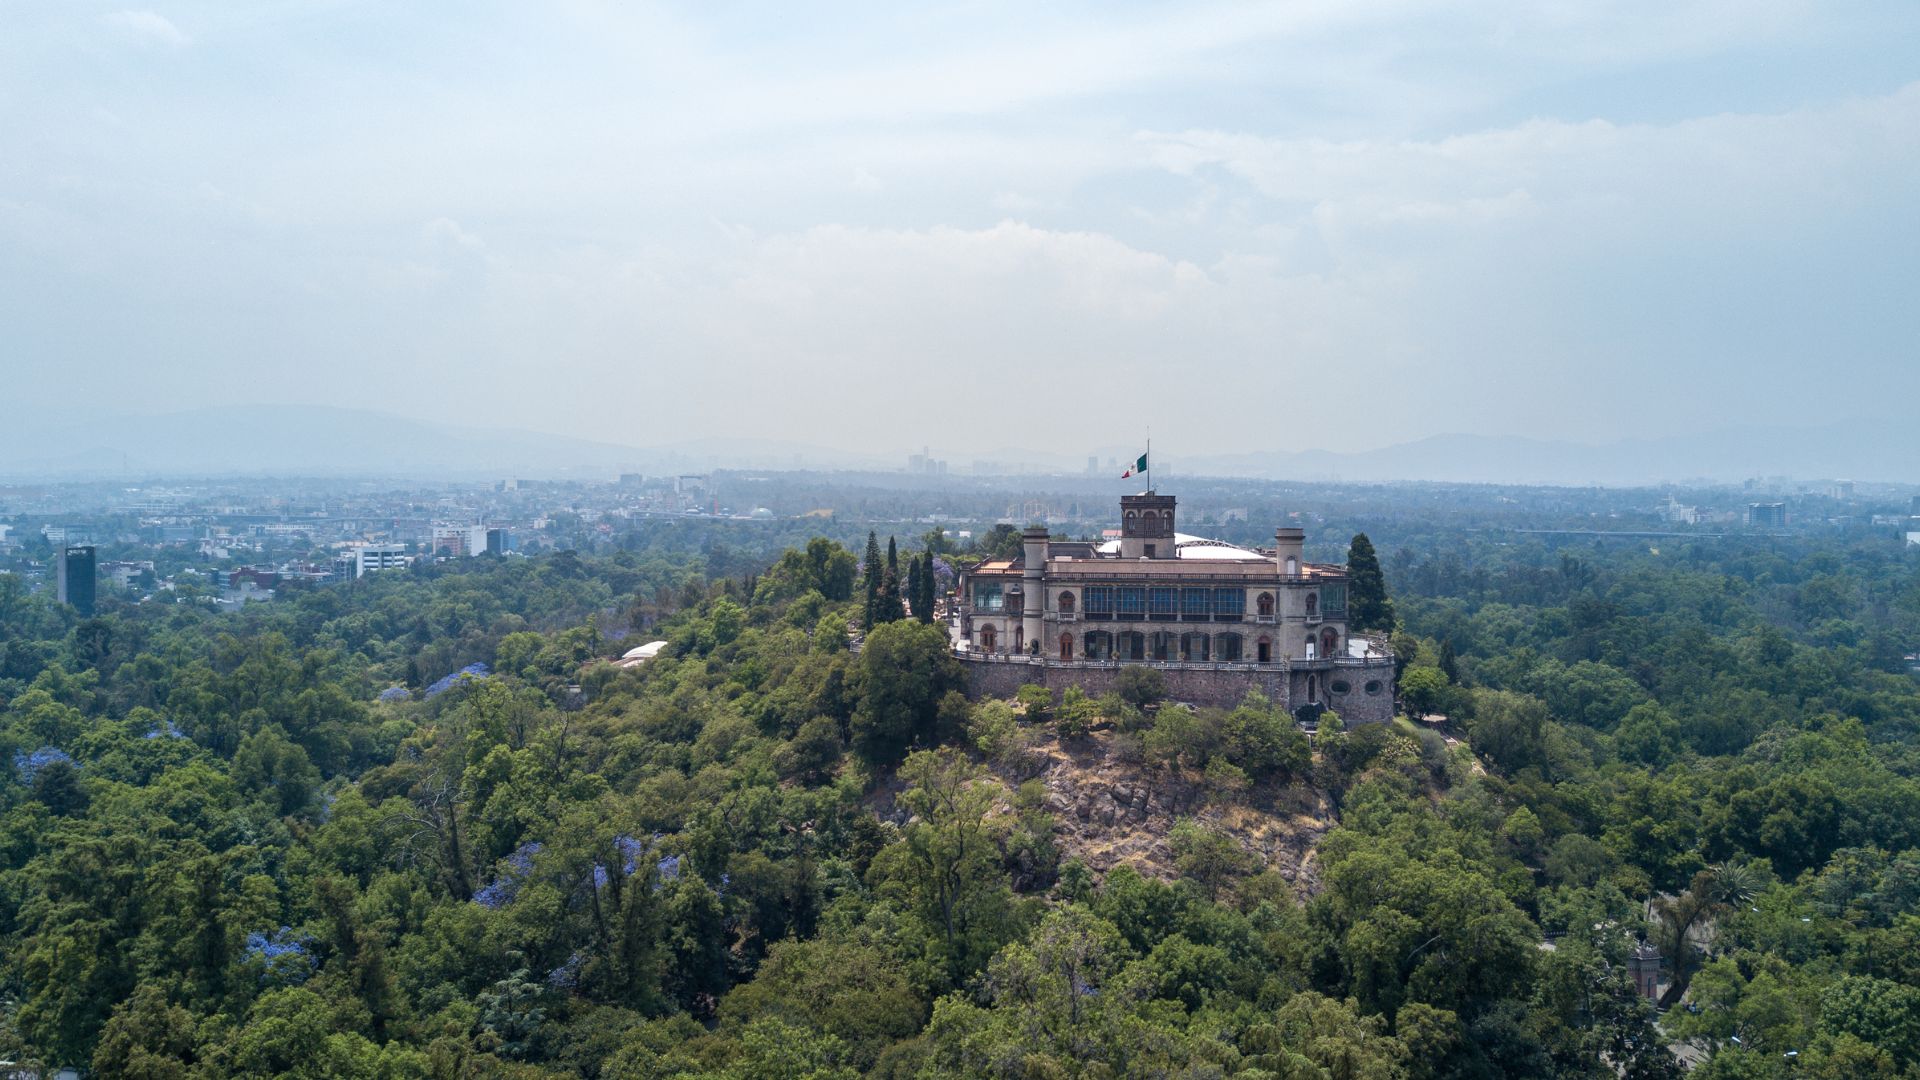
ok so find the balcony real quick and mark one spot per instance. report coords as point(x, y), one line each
point(1264, 620)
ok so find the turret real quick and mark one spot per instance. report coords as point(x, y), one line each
point(1033, 574)
point(1146, 527)
point(1289, 551)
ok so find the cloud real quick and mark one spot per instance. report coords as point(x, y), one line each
point(447, 230)
point(150, 27)
point(1259, 217)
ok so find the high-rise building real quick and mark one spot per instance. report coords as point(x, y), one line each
point(499, 542)
point(459, 541)
point(1766, 514)
point(74, 577)
point(371, 557)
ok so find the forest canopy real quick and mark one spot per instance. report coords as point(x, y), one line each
point(420, 826)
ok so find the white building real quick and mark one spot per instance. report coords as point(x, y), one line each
point(370, 557)
point(459, 541)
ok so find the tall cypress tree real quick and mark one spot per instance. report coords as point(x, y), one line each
point(913, 587)
point(1368, 607)
point(887, 606)
point(929, 590)
point(871, 579)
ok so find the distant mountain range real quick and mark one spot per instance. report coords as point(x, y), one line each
point(320, 441)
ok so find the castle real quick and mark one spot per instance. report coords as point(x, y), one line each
point(1216, 620)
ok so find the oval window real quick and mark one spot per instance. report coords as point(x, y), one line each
point(1340, 686)
point(1373, 686)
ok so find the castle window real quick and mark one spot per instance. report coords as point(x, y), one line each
point(1099, 645)
point(987, 597)
point(1313, 605)
point(1196, 648)
point(1164, 645)
point(1313, 650)
point(1229, 604)
point(1373, 686)
point(1066, 603)
point(1099, 601)
point(1266, 604)
point(1130, 602)
point(1193, 604)
point(987, 636)
point(1333, 600)
point(1066, 646)
point(1132, 645)
point(1227, 647)
point(1293, 566)
point(1265, 651)
point(1163, 602)
point(1330, 642)
point(1339, 686)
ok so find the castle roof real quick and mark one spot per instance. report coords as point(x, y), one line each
point(1196, 547)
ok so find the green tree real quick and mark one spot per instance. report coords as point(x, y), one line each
point(147, 1039)
point(906, 670)
point(1314, 1035)
point(872, 571)
point(952, 860)
point(1877, 1011)
point(1368, 607)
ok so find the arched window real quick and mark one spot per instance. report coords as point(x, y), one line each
point(1099, 645)
point(1313, 688)
point(1196, 648)
point(1313, 604)
point(1132, 645)
point(1330, 642)
point(1264, 605)
point(1163, 646)
point(1020, 639)
point(1066, 603)
point(1313, 650)
point(987, 636)
point(1066, 646)
point(1227, 647)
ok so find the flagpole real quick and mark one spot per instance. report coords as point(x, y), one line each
point(1149, 461)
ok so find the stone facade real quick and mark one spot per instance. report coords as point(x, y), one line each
point(1217, 620)
point(1220, 686)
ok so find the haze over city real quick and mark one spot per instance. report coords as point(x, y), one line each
point(1254, 227)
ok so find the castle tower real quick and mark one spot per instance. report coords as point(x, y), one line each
point(1033, 590)
point(1289, 551)
point(1146, 527)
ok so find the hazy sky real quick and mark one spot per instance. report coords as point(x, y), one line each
point(1323, 223)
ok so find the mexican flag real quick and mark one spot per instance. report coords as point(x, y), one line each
point(1137, 467)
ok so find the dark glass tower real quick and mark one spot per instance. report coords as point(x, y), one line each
point(74, 577)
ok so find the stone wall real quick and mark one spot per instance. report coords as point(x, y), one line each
point(1196, 684)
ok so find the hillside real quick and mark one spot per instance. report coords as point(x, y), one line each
point(1109, 811)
